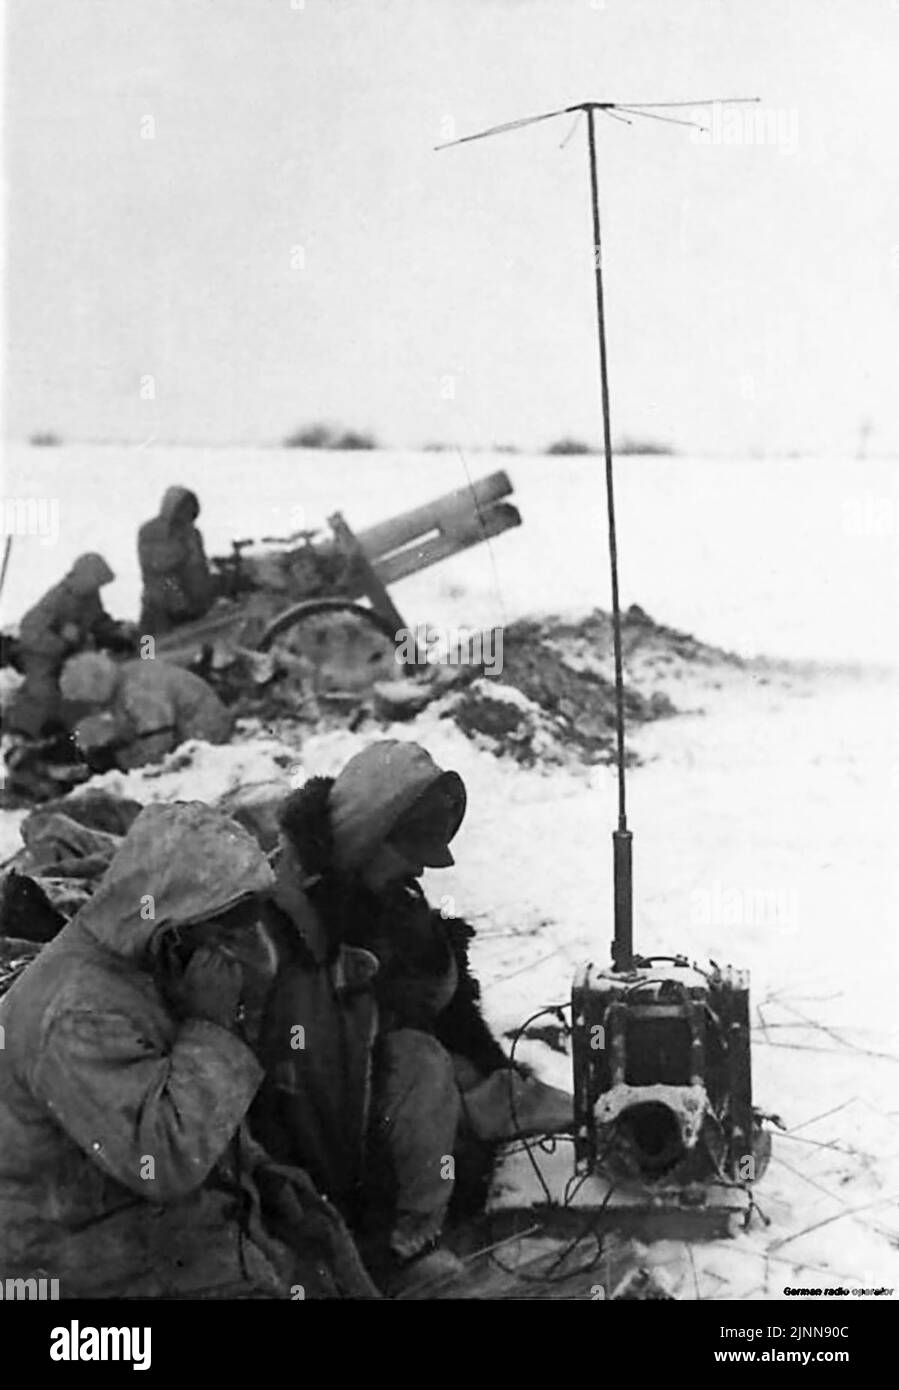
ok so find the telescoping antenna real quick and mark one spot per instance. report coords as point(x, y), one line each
point(622, 839)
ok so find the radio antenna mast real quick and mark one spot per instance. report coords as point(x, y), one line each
point(622, 838)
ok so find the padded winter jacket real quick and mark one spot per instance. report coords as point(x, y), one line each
point(316, 1045)
point(70, 614)
point(177, 584)
point(120, 1147)
point(66, 620)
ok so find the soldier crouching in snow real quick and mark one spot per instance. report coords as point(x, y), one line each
point(126, 1165)
point(380, 1069)
point(134, 712)
point(69, 618)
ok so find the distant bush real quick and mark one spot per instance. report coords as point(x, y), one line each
point(641, 446)
point(436, 447)
point(310, 437)
point(624, 447)
point(44, 439)
point(353, 440)
point(327, 437)
point(569, 446)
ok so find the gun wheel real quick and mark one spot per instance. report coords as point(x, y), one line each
point(333, 649)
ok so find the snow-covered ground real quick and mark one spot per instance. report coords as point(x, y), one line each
point(764, 824)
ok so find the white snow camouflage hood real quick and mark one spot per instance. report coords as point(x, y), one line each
point(191, 860)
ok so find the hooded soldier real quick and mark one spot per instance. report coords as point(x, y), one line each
point(67, 619)
point(177, 584)
point(394, 1065)
point(127, 1073)
point(135, 712)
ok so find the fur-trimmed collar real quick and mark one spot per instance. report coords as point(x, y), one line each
point(306, 823)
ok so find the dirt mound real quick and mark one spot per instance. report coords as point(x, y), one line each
point(555, 693)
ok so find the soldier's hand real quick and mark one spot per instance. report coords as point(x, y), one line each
point(211, 987)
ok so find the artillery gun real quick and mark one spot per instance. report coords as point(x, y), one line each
point(320, 605)
point(307, 619)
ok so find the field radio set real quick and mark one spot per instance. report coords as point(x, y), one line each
point(664, 1122)
point(663, 1089)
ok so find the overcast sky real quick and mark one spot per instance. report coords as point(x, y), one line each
point(226, 218)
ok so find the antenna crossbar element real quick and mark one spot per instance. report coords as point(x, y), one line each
point(635, 108)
